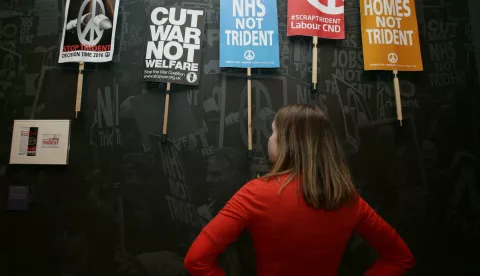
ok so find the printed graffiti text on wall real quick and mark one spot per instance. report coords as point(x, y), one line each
point(441, 37)
point(26, 34)
point(9, 58)
point(386, 98)
point(133, 35)
point(463, 209)
point(196, 141)
point(179, 199)
point(348, 65)
point(107, 116)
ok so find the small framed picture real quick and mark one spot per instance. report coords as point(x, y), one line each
point(40, 142)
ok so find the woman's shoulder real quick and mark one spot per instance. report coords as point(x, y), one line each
point(255, 185)
point(264, 182)
point(257, 194)
point(263, 186)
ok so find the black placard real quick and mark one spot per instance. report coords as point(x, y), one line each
point(173, 50)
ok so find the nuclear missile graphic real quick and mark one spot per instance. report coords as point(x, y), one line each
point(72, 24)
point(102, 22)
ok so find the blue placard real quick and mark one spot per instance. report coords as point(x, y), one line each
point(249, 34)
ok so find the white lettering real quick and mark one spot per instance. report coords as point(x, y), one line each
point(400, 8)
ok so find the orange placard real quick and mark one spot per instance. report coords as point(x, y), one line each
point(390, 35)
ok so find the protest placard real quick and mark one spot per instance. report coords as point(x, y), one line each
point(249, 34)
point(88, 35)
point(390, 39)
point(88, 31)
point(320, 18)
point(390, 35)
point(173, 48)
point(249, 39)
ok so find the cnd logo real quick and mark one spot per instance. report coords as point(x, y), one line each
point(90, 26)
point(393, 58)
point(331, 7)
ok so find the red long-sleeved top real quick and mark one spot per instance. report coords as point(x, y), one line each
point(291, 238)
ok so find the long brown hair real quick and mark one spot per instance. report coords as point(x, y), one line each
point(308, 148)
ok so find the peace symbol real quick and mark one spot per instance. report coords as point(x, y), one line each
point(393, 58)
point(87, 35)
point(331, 7)
point(249, 55)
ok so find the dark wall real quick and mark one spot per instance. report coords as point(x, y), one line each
point(129, 205)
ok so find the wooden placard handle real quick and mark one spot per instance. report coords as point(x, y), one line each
point(78, 103)
point(249, 108)
point(398, 98)
point(165, 114)
point(314, 63)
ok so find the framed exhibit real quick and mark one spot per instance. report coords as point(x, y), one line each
point(40, 142)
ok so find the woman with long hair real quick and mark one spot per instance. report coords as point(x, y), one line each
point(302, 214)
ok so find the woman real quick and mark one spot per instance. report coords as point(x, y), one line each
point(302, 214)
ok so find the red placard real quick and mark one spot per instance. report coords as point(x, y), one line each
point(322, 18)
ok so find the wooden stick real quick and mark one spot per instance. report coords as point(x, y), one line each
point(398, 99)
point(78, 104)
point(165, 114)
point(249, 100)
point(314, 63)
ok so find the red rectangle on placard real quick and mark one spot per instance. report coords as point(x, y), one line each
point(322, 18)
